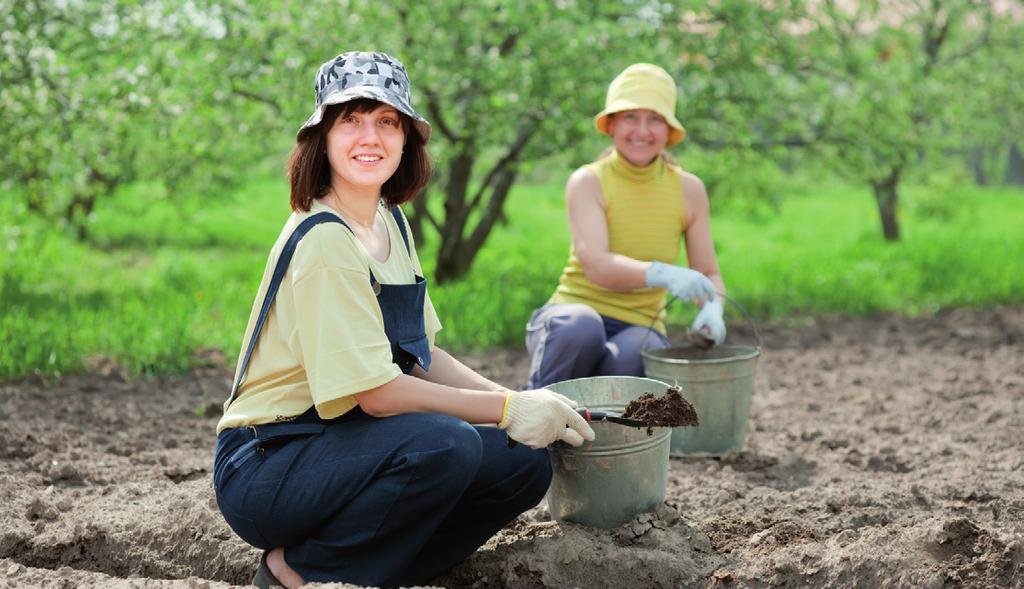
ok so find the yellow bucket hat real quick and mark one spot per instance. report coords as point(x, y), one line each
point(642, 85)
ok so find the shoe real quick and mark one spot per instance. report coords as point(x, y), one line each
point(265, 579)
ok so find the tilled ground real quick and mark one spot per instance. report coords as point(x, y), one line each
point(882, 451)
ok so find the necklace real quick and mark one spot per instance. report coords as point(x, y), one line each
point(350, 215)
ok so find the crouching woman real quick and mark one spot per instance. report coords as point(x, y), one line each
point(352, 449)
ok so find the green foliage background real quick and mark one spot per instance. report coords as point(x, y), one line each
point(166, 289)
point(143, 143)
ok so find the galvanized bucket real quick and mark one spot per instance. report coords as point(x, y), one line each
point(719, 382)
point(623, 472)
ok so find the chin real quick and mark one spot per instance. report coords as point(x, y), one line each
point(641, 158)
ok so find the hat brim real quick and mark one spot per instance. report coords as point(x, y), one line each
point(373, 93)
point(677, 134)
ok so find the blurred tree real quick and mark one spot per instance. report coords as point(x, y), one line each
point(503, 84)
point(867, 87)
point(96, 95)
point(193, 92)
point(891, 82)
point(739, 100)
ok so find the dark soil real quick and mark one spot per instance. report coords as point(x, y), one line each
point(882, 451)
point(667, 410)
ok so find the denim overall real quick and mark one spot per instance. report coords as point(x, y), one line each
point(372, 501)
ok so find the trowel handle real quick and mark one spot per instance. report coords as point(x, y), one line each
point(590, 416)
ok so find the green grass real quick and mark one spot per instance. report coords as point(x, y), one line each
point(166, 279)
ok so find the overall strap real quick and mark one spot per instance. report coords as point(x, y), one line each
point(275, 282)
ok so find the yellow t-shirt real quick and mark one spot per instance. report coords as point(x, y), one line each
point(643, 207)
point(323, 338)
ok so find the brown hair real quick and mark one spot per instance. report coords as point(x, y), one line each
point(310, 172)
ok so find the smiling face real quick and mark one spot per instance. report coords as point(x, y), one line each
point(365, 148)
point(639, 135)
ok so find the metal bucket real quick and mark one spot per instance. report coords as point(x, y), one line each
point(623, 472)
point(719, 382)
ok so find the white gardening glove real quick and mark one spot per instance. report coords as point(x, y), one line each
point(709, 321)
point(541, 417)
point(683, 283)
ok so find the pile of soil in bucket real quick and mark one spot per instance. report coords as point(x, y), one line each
point(667, 410)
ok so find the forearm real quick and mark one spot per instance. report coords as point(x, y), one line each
point(445, 369)
point(719, 283)
point(409, 394)
point(615, 271)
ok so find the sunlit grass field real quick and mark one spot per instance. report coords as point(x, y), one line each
point(165, 281)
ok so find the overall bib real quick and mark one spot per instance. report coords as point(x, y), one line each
point(372, 501)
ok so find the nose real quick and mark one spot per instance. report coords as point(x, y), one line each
point(369, 134)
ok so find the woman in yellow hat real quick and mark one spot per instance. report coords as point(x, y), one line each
point(628, 212)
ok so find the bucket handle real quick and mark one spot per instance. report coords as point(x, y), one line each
point(672, 298)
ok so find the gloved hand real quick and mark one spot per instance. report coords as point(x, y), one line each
point(709, 321)
point(683, 283)
point(540, 417)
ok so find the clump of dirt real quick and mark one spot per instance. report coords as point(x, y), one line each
point(667, 410)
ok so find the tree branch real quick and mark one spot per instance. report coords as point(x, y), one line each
point(259, 98)
point(434, 108)
point(982, 40)
point(512, 155)
point(433, 101)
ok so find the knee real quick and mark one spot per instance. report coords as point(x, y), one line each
point(445, 445)
point(634, 340)
point(579, 324)
point(531, 481)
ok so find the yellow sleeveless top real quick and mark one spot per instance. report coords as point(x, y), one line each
point(644, 210)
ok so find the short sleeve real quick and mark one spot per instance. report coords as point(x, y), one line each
point(338, 323)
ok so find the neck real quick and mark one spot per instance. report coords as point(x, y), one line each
point(637, 164)
point(358, 205)
point(637, 173)
point(360, 209)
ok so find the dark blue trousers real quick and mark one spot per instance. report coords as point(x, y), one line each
point(374, 501)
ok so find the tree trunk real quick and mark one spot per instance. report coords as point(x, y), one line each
point(976, 159)
point(887, 198)
point(455, 213)
point(460, 259)
point(1015, 166)
point(460, 243)
point(415, 218)
point(77, 214)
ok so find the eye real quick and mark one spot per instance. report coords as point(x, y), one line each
point(389, 122)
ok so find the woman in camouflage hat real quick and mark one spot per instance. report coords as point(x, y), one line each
point(629, 212)
point(348, 450)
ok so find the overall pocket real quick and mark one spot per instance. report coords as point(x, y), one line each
point(415, 350)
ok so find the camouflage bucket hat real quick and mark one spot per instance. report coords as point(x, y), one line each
point(365, 74)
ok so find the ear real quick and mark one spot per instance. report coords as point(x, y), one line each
point(609, 124)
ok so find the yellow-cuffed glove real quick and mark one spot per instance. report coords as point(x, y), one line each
point(541, 417)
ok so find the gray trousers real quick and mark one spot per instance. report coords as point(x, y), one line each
point(572, 340)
